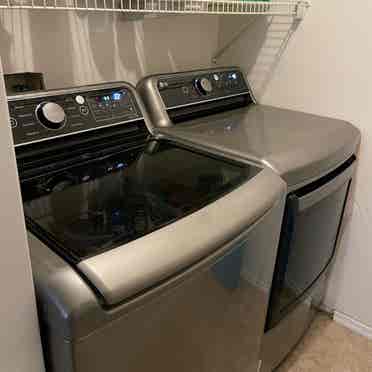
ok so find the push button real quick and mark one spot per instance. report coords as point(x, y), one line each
point(29, 124)
point(80, 100)
point(163, 84)
point(186, 90)
point(25, 116)
point(13, 122)
point(84, 110)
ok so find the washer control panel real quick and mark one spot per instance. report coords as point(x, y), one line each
point(52, 114)
point(189, 88)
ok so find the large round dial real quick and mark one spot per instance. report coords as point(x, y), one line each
point(51, 115)
point(203, 85)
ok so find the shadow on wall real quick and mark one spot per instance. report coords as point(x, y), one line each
point(257, 43)
point(5, 42)
point(15, 41)
point(74, 48)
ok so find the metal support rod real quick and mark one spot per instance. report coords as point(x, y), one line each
point(236, 37)
point(301, 9)
point(297, 10)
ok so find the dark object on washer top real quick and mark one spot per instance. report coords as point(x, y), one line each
point(23, 82)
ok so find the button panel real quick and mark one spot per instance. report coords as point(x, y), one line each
point(184, 88)
point(84, 111)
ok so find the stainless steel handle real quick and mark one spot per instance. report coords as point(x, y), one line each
point(325, 190)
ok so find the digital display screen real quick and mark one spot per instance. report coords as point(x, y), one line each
point(233, 76)
point(116, 96)
point(112, 97)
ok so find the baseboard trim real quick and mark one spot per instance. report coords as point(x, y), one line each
point(353, 324)
point(326, 308)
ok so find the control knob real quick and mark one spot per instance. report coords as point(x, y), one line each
point(203, 85)
point(51, 115)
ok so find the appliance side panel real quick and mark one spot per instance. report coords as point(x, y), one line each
point(20, 346)
point(212, 321)
point(282, 339)
point(58, 351)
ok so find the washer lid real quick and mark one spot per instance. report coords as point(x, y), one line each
point(88, 209)
point(123, 272)
point(298, 146)
point(130, 219)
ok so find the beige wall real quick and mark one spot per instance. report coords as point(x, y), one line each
point(74, 48)
point(20, 348)
point(324, 69)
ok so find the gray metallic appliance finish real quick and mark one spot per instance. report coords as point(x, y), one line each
point(289, 332)
point(280, 340)
point(127, 270)
point(149, 92)
point(209, 316)
point(187, 309)
point(53, 93)
point(300, 147)
point(324, 191)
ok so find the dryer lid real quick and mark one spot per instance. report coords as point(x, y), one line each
point(300, 147)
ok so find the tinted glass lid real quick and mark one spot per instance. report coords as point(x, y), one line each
point(88, 209)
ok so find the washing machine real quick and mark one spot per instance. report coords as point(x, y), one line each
point(147, 253)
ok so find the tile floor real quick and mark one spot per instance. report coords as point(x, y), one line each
point(329, 347)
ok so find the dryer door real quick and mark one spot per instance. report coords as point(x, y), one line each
point(309, 236)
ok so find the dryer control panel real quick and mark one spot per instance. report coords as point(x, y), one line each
point(196, 87)
point(44, 115)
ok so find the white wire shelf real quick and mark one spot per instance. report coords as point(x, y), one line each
point(296, 8)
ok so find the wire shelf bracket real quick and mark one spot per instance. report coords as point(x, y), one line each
point(299, 9)
point(294, 8)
